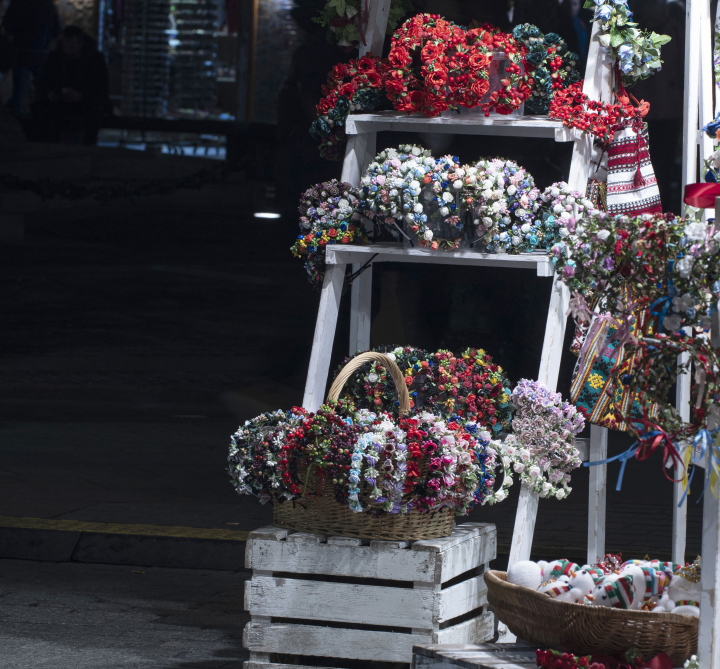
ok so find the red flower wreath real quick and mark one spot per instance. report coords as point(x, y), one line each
point(514, 89)
point(435, 65)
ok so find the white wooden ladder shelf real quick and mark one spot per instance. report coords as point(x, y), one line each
point(362, 132)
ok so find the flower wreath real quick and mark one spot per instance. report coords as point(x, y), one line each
point(347, 20)
point(514, 89)
point(542, 446)
point(637, 52)
point(495, 462)
point(667, 264)
point(556, 205)
point(549, 66)
point(352, 87)
point(467, 388)
point(441, 194)
point(502, 200)
point(435, 65)
point(391, 188)
point(327, 216)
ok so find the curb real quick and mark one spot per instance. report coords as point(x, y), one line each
point(48, 540)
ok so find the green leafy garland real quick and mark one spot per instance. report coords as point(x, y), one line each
point(346, 20)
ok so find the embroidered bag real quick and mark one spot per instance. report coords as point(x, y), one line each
point(631, 184)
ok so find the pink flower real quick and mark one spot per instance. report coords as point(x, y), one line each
point(433, 484)
point(568, 271)
point(435, 463)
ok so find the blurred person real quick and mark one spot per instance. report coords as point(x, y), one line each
point(72, 92)
point(32, 25)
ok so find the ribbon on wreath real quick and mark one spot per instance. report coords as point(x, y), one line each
point(666, 301)
point(645, 445)
point(701, 195)
point(703, 446)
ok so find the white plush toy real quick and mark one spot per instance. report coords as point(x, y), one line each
point(639, 585)
point(558, 588)
point(583, 581)
point(525, 573)
point(684, 596)
point(615, 590)
point(557, 568)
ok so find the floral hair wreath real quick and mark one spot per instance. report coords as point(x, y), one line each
point(557, 204)
point(502, 194)
point(391, 188)
point(328, 215)
point(352, 87)
point(496, 462)
point(542, 447)
point(452, 70)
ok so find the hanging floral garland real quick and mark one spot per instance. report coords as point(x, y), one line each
point(328, 215)
point(352, 87)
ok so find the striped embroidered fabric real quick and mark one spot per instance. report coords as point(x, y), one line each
point(631, 184)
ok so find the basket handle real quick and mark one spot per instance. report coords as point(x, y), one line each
point(357, 362)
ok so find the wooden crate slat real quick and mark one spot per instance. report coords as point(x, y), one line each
point(462, 598)
point(332, 642)
point(342, 602)
point(476, 552)
point(341, 560)
point(274, 665)
point(481, 627)
point(460, 534)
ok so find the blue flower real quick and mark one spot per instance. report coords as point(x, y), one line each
point(626, 67)
point(625, 52)
point(603, 13)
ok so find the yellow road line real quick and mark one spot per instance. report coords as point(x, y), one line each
point(122, 528)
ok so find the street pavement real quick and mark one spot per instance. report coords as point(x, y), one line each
point(88, 616)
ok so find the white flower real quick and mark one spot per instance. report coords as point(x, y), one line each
point(448, 197)
point(496, 207)
point(560, 493)
point(445, 211)
point(418, 208)
point(558, 209)
point(486, 194)
point(487, 220)
point(511, 190)
point(672, 322)
point(500, 495)
point(554, 191)
point(520, 212)
point(415, 185)
point(534, 471)
point(519, 467)
point(515, 240)
point(372, 377)
point(526, 227)
point(684, 266)
point(428, 235)
point(391, 356)
point(415, 151)
point(603, 234)
point(488, 184)
point(695, 232)
point(457, 184)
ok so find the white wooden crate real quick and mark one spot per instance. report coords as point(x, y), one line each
point(314, 596)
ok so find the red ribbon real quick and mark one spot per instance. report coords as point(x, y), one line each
point(701, 196)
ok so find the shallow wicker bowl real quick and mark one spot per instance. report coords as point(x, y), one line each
point(585, 630)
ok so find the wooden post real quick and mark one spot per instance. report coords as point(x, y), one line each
point(709, 633)
point(360, 310)
point(597, 494)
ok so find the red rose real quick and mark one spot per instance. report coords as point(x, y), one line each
point(348, 90)
point(399, 57)
point(394, 86)
point(479, 60)
point(332, 232)
point(324, 106)
point(374, 79)
point(365, 64)
point(430, 52)
point(437, 79)
point(479, 87)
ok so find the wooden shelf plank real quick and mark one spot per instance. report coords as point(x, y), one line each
point(470, 122)
point(336, 254)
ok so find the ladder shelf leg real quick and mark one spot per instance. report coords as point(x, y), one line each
point(360, 306)
point(597, 494)
point(324, 336)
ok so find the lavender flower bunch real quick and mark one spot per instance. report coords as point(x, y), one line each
point(542, 448)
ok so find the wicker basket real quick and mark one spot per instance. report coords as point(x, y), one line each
point(318, 511)
point(585, 630)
